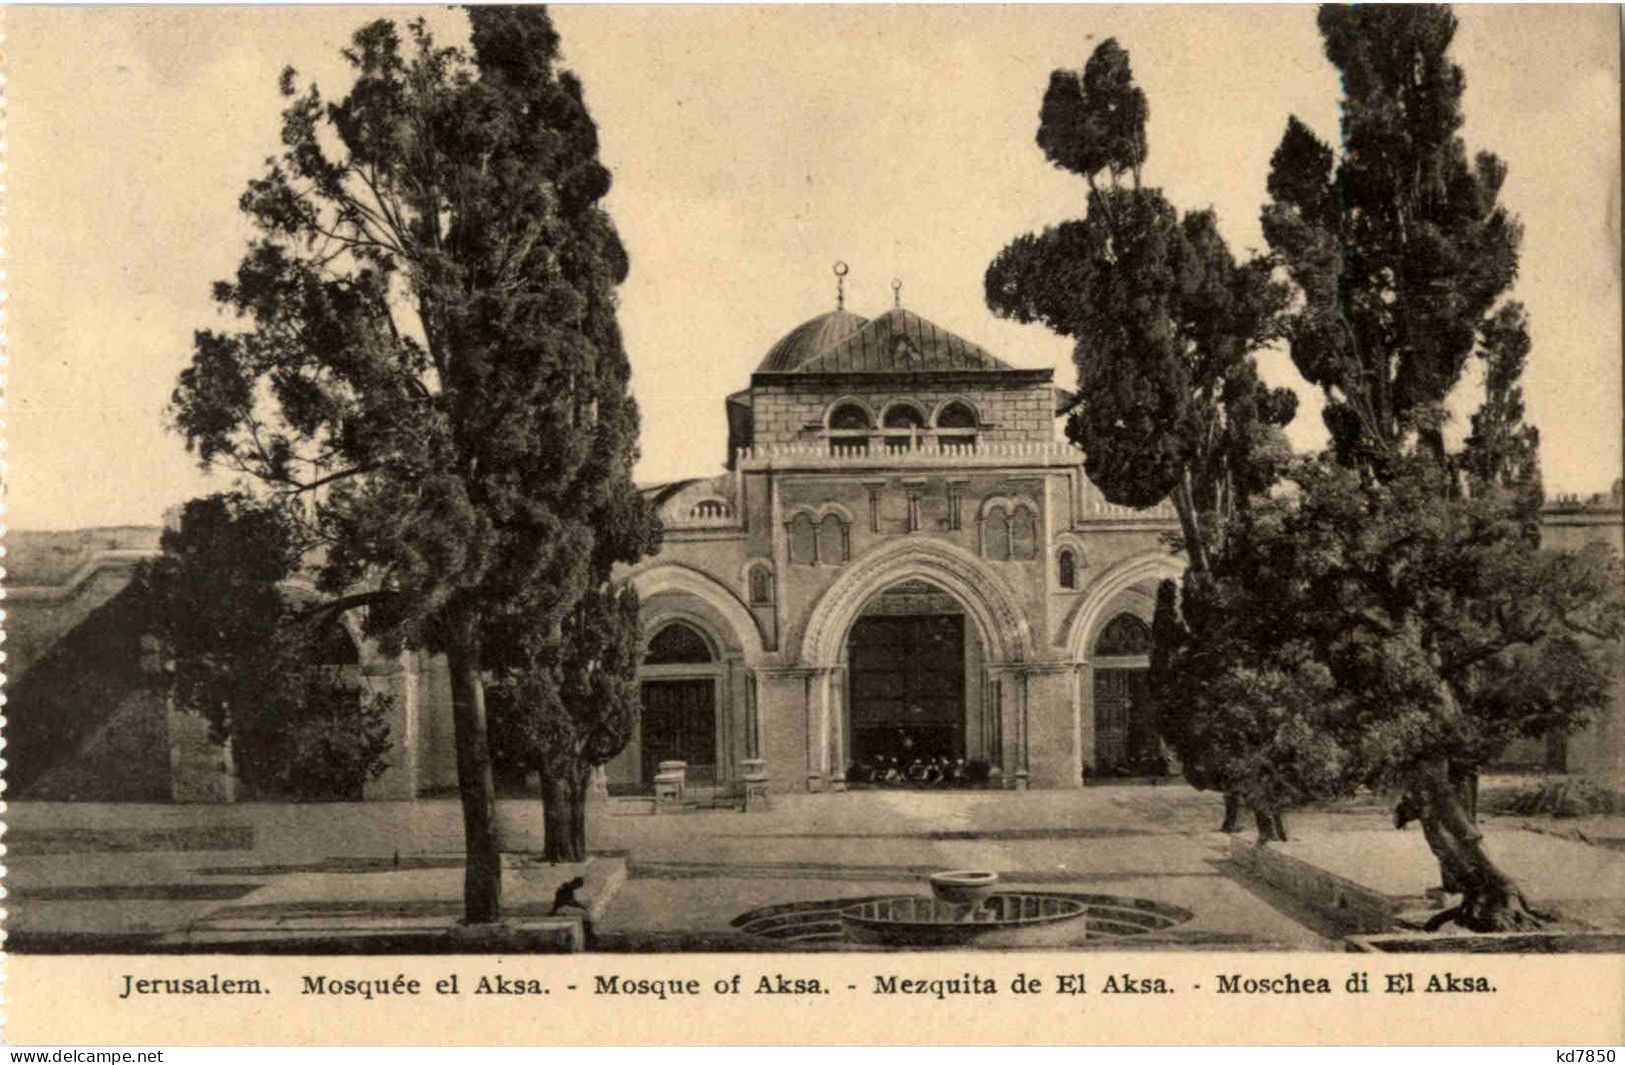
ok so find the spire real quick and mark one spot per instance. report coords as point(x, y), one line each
point(897, 292)
point(840, 285)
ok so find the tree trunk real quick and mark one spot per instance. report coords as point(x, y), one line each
point(482, 869)
point(1490, 900)
point(1190, 524)
point(578, 824)
point(1271, 826)
point(1232, 813)
point(564, 816)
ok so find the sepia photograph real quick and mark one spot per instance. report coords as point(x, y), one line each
point(1050, 481)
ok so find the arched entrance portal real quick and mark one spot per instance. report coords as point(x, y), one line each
point(680, 677)
point(917, 707)
point(988, 608)
point(1126, 734)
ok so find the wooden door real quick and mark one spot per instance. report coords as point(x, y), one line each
point(679, 722)
point(1126, 737)
point(907, 687)
point(1113, 702)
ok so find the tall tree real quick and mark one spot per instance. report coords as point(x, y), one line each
point(429, 376)
point(1410, 570)
point(1165, 324)
point(566, 698)
point(1164, 321)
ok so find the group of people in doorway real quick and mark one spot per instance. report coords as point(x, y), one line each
point(906, 760)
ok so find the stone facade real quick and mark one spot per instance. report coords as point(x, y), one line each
point(900, 572)
point(851, 494)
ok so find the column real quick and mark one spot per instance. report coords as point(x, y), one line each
point(1024, 771)
point(1016, 758)
point(836, 697)
point(1086, 717)
point(819, 732)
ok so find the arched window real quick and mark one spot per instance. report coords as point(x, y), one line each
point(956, 425)
point(996, 534)
point(1023, 535)
point(1067, 564)
point(761, 586)
point(902, 423)
point(832, 541)
point(1124, 635)
point(677, 644)
point(849, 426)
point(848, 417)
point(803, 539)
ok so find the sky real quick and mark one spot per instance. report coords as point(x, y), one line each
point(751, 148)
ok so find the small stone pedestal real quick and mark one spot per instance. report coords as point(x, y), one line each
point(670, 791)
point(758, 790)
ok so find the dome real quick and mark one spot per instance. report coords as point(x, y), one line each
point(808, 339)
point(901, 340)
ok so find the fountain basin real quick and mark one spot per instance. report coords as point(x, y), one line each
point(1001, 919)
point(963, 885)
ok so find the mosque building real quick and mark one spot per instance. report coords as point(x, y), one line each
point(901, 573)
point(901, 576)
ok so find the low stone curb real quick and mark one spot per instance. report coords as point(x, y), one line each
point(1344, 901)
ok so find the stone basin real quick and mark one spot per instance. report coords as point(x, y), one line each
point(1003, 919)
point(963, 885)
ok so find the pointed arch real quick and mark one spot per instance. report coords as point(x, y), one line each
point(1103, 597)
point(672, 577)
point(985, 596)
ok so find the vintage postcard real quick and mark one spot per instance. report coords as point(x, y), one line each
point(814, 524)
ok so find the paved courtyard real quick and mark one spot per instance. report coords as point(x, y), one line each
point(118, 877)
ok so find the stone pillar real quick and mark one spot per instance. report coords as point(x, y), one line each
point(758, 787)
point(1012, 688)
point(753, 718)
point(1085, 699)
point(1024, 747)
point(399, 780)
point(835, 699)
point(782, 718)
point(670, 783)
point(200, 770)
point(1054, 760)
point(818, 729)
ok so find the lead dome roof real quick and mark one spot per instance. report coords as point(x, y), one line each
point(897, 341)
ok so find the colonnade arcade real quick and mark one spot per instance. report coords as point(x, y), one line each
point(918, 663)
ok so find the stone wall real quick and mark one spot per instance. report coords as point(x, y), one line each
point(1009, 412)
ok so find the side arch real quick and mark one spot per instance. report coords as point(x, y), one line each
point(984, 594)
point(672, 577)
point(1112, 590)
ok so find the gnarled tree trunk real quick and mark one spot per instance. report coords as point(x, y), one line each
point(564, 815)
point(482, 869)
point(1443, 798)
point(1232, 813)
point(1271, 825)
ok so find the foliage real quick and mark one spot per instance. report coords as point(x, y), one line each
point(573, 704)
point(1398, 247)
point(261, 671)
point(428, 371)
point(1165, 321)
point(1392, 621)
